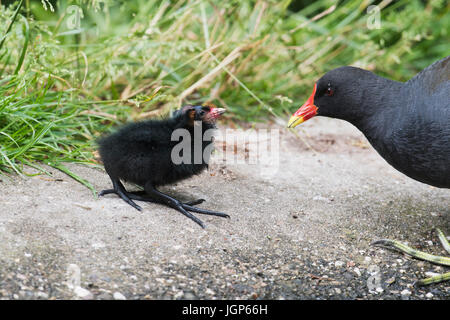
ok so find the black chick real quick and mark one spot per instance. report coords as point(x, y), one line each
point(143, 153)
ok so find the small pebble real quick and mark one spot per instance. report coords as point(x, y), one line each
point(210, 292)
point(42, 295)
point(104, 296)
point(118, 296)
point(405, 292)
point(189, 295)
point(83, 293)
point(390, 280)
point(338, 264)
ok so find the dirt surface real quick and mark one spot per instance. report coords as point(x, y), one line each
point(302, 232)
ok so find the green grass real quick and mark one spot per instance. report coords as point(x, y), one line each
point(61, 87)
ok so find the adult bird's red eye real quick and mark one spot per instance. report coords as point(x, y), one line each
point(329, 91)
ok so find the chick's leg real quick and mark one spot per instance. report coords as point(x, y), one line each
point(143, 196)
point(120, 190)
point(180, 206)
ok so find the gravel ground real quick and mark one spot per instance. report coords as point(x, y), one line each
point(303, 232)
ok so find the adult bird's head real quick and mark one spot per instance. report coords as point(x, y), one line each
point(339, 94)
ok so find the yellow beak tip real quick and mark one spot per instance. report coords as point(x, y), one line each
point(294, 121)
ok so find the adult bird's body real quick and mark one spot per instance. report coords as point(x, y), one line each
point(408, 123)
point(142, 153)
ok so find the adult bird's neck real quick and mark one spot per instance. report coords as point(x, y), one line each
point(379, 109)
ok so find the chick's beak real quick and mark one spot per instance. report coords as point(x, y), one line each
point(217, 112)
point(305, 112)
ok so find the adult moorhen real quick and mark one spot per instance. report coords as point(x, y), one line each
point(407, 123)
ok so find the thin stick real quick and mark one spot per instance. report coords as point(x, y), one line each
point(445, 261)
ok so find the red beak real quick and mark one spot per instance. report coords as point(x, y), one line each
point(217, 112)
point(305, 112)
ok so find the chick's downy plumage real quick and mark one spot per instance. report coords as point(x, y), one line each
point(143, 153)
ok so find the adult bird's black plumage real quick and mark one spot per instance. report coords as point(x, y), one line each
point(407, 123)
point(141, 153)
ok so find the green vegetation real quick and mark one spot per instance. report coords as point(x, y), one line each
point(65, 80)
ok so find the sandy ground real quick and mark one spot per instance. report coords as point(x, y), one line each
point(301, 233)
